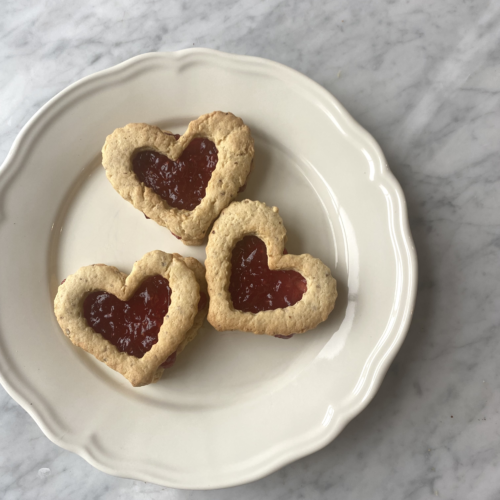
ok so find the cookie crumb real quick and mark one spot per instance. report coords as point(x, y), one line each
point(44, 472)
point(275, 209)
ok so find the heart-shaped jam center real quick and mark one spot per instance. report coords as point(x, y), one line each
point(254, 287)
point(181, 183)
point(131, 326)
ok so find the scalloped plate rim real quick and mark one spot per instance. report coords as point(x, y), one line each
point(19, 391)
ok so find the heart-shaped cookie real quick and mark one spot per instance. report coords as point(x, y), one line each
point(135, 324)
point(254, 285)
point(181, 182)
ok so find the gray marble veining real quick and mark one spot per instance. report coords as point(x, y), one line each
point(424, 78)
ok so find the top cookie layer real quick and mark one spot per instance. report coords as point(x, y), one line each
point(255, 218)
point(235, 154)
point(180, 325)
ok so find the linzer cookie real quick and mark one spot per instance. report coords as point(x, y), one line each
point(181, 182)
point(136, 324)
point(254, 285)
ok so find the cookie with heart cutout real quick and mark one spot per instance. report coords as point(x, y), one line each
point(135, 324)
point(254, 285)
point(181, 182)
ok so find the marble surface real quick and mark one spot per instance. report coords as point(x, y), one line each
point(424, 78)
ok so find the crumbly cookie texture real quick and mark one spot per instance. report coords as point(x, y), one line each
point(186, 278)
point(235, 155)
point(255, 218)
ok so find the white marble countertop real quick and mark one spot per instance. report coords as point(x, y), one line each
point(424, 79)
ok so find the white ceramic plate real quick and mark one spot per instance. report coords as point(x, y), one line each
point(235, 407)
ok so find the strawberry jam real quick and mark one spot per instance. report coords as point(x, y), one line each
point(169, 361)
point(131, 326)
point(254, 287)
point(203, 301)
point(180, 183)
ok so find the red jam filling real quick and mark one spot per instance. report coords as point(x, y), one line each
point(169, 361)
point(131, 326)
point(254, 287)
point(203, 301)
point(180, 183)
